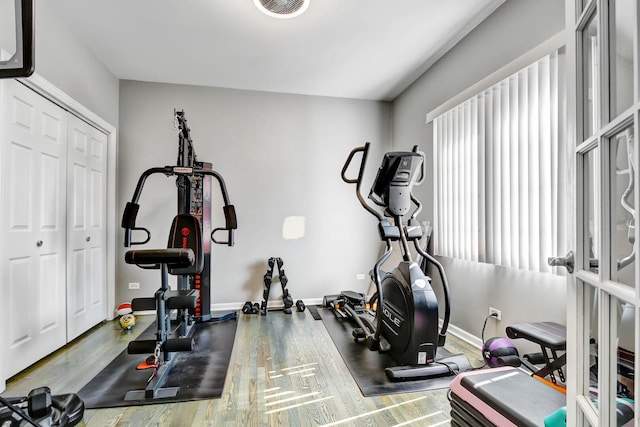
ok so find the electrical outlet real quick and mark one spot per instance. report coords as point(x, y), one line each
point(360, 276)
point(134, 285)
point(495, 313)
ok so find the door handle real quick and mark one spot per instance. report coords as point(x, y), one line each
point(565, 261)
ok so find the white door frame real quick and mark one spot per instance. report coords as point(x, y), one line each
point(580, 410)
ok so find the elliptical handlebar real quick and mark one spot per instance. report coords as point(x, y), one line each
point(445, 288)
point(358, 181)
point(365, 152)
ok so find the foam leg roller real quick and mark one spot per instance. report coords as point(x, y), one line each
point(182, 301)
point(179, 344)
point(143, 304)
point(141, 347)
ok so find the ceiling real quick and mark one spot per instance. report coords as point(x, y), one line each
point(363, 49)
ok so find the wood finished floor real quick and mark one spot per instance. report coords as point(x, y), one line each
point(284, 371)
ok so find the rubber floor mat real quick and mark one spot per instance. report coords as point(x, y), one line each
point(367, 367)
point(198, 374)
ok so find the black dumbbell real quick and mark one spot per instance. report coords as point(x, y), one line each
point(288, 301)
point(300, 305)
point(250, 308)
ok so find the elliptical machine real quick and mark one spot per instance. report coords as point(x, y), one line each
point(405, 322)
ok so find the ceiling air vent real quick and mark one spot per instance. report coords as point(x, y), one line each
point(282, 8)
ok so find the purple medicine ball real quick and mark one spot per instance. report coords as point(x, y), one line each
point(495, 348)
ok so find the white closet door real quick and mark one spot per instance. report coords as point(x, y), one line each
point(33, 137)
point(86, 211)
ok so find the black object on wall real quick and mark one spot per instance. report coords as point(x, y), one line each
point(21, 55)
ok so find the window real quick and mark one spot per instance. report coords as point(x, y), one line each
point(499, 187)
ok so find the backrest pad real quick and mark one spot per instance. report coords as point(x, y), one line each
point(186, 232)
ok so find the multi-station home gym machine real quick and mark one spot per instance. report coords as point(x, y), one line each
point(187, 256)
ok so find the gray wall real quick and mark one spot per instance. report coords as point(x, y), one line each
point(280, 155)
point(512, 30)
point(66, 63)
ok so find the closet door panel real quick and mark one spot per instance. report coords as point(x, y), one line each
point(86, 303)
point(33, 137)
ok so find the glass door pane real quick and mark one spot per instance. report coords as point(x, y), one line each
point(622, 205)
point(591, 225)
point(589, 344)
point(590, 74)
point(621, 55)
point(626, 341)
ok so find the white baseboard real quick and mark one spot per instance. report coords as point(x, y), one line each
point(465, 336)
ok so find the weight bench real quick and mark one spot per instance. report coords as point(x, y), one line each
point(552, 339)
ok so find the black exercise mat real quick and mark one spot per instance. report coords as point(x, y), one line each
point(313, 310)
point(367, 367)
point(199, 374)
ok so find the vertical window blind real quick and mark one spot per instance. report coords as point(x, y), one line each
point(496, 169)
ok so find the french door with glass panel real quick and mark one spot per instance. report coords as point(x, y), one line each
point(603, 293)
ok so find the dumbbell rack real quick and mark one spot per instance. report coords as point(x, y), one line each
point(253, 308)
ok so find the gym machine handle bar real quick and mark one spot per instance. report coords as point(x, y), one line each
point(132, 207)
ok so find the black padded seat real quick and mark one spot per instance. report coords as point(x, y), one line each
point(548, 334)
point(173, 258)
